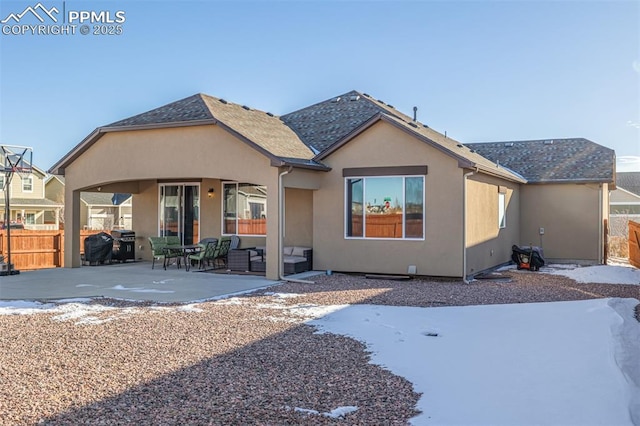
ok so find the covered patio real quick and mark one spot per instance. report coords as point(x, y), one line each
point(198, 168)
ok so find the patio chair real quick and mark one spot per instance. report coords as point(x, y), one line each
point(208, 246)
point(235, 242)
point(157, 249)
point(222, 251)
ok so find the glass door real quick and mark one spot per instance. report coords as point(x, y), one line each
point(180, 212)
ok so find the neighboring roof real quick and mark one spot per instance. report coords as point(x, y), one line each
point(328, 125)
point(629, 181)
point(553, 161)
point(101, 198)
point(33, 202)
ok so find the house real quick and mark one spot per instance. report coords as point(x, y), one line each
point(625, 203)
point(99, 210)
point(28, 203)
point(368, 187)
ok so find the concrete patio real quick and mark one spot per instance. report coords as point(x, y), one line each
point(130, 281)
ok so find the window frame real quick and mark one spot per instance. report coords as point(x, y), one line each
point(27, 179)
point(502, 210)
point(222, 208)
point(347, 207)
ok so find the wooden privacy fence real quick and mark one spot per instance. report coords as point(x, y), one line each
point(37, 249)
point(634, 243)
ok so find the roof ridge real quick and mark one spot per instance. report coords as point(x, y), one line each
point(321, 102)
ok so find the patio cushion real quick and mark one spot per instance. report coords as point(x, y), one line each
point(294, 259)
point(299, 251)
point(287, 251)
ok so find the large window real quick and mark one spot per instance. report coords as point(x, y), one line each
point(245, 209)
point(385, 207)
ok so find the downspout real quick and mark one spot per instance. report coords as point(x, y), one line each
point(600, 227)
point(464, 225)
point(281, 230)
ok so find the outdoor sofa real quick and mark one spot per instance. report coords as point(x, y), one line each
point(296, 259)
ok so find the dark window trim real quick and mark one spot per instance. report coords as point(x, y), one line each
point(384, 171)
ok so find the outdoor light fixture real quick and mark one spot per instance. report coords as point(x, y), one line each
point(211, 193)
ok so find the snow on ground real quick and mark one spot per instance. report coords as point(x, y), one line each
point(540, 363)
point(605, 274)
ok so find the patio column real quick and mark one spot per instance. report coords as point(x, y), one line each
point(72, 229)
point(274, 251)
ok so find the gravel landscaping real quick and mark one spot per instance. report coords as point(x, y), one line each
point(244, 360)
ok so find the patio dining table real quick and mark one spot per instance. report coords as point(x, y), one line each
point(180, 252)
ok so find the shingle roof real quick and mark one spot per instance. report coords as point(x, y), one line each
point(100, 198)
point(629, 181)
point(263, 129)
point(557, 160)
point(40, 202)
point(325, 125)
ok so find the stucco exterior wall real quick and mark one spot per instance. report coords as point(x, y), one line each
point(487, 244)
point(570, 215)
point(298, 217)
point(439, 254)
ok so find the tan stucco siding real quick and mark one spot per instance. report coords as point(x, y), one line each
point(382, 145)
point(487, 244)
point(570, 215)
point(174, 153)
point(298, 217)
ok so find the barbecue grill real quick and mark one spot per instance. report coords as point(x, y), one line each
point(124, 245)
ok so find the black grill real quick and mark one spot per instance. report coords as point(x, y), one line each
point(124, 245)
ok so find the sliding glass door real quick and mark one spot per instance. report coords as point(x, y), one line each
point(180, 211)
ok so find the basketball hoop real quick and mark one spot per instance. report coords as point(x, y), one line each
point(13, 159)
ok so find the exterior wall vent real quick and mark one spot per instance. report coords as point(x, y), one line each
point(508, 144)
point(246, 107)
point(549, 142)
point(269, 114)
point(334, 100)
point(223, 101)
point(354, 98)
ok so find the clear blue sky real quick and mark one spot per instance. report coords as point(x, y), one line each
point(480, 70)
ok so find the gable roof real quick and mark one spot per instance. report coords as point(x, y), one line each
point(576, 160)
point(103, 198)
point(263, 131)
point(328, 125)
point(629, 181)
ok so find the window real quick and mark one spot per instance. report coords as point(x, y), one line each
point(244, 209)
point(625, 209)
point(502, 213)
point(30, 218)
point(27, 184)
point(385, 207)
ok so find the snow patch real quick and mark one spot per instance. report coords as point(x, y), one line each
point(605, 274)
point(334, 414)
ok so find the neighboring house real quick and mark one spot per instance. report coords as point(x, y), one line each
point(368, 187)
point(28, 203)
point(99, 210)
point(625, 203)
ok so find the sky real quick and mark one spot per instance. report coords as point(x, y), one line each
point(479, 70)
point(571, 362)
